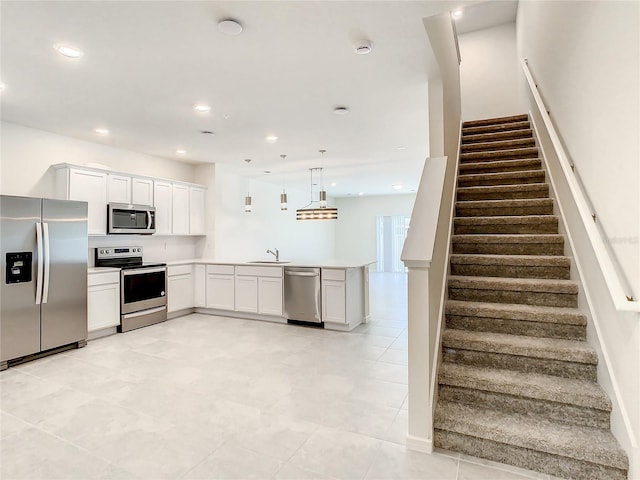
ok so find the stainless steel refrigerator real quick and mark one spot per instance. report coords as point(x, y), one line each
point(43, 297)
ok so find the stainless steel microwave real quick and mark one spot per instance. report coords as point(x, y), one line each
point(124, 218)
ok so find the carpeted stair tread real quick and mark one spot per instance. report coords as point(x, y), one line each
point(499, 127)
point(523, 346)
point(506, 311)
point(502, 144)
point(518, 238)
point(501, 178)
point(529, 385)
point(588, 444)
point(496, 120)
point(497, 136)
point(503, 165)
point(514, 284)
point(504, 192)
point(506, 224)
point(530, 152)
point(511, 260)
point(510, 207)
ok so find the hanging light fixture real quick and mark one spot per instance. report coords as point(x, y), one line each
point(283, 195)
point(247, 200)
point(317, 210)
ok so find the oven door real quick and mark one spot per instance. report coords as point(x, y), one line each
point(124, 218)
point(142, 288)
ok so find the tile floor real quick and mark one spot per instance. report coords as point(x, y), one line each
point(203, 397)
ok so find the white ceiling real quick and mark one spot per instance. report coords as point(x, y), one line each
point(146, 64)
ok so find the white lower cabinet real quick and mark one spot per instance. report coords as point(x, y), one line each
point(270, 295)
point(103, 300)
point(220, 288)
point(180, 290)
point(334, 298)
point(246, 294)
point(199, 286)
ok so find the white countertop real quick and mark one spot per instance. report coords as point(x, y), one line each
point(91, 270)
point(267, 263)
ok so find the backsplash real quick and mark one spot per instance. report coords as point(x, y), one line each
point(155, 248)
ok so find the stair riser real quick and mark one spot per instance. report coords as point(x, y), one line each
point(494, 145)
point(559, 368)
point(510, 271)
point(510, 248)
point(523, 117)
point(517, 327)
point(497, 137)
point(499, 167)
point(558, 466)
point(499, 155)
point(486, 181)
point(548, 299)
point(504, 211)
point(559, 412)
point(497, 128)
point(506, 228)
point(508, 195)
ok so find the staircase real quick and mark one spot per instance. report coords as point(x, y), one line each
point(517, 383)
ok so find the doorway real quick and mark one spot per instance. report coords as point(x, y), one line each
point(391, 231)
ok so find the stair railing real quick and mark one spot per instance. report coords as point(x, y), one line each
point(621, 296)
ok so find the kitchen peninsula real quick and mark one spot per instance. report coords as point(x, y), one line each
point(255, 290)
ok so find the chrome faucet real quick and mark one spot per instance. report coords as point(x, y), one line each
point(275, 254)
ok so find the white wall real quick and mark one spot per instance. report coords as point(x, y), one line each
point(585, 59)
point(241, 236)
point(356, 225)
point(489, 73)
point(27, 154)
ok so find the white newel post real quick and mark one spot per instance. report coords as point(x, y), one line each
point(420, 428)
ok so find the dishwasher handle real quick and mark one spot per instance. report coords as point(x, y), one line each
point(302, 274)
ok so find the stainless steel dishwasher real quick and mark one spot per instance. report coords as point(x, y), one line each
point(302, 303)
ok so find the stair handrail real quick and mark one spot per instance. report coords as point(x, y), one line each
point(618, 293)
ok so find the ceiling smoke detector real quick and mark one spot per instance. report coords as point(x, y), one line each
point(229, 26)
point(363, 47)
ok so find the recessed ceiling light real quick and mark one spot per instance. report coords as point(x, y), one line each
point(229, 26)
point(180, 151)
point(267, 171)
point(396, 186)
point(207, 132)
point(360, 193)
point(457, 13)
point(68, 51)
point(363, 47)
point(2, 87)
point(333, 184)
point(401, 148)
point(341, 110)
point(201, 108)
point(271, 139)
point(102, 131)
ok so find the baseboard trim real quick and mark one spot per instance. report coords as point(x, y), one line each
point(419, 444)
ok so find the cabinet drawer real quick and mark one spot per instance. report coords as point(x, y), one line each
point(333, 274)
point(103, 278)
point(179, 270)
point(221, 269)
point(256, 271)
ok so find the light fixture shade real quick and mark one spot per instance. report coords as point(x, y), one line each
point(283, 201)
point(317, 214)
point(247, 204)
point(323, 199)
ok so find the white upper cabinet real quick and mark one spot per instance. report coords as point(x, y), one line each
point(119, 189)
point(196, 211)
point(141, 191)
point(86, 186)
point(180, 210)
point(162, 200)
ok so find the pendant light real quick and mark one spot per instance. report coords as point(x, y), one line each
point(247, 200)
point(317, 210)
point(283, 195)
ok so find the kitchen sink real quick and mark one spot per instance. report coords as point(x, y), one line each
point(268, 261)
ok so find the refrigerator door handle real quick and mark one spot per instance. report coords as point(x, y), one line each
point(47, 264)
point(40, 263)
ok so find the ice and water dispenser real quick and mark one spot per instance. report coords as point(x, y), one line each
point(19, 267)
